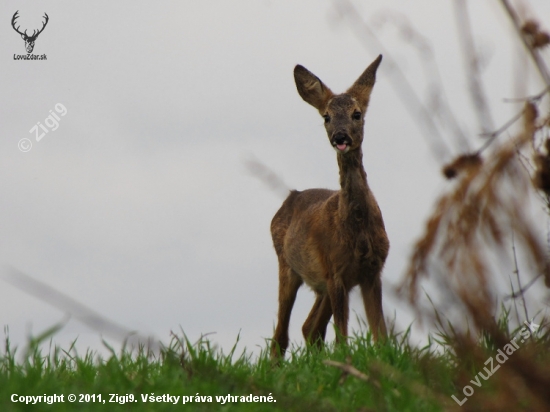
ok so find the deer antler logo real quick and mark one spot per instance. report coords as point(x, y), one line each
point(29, 40)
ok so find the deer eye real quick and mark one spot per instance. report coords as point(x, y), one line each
point(356, 115)
point(327, 118)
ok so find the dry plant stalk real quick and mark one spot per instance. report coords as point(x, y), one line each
point(486, 202)
point(474, 221)
point(475, 217)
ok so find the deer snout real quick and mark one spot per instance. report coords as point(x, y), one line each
point(341, 142)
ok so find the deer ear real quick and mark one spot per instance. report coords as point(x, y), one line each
point(311, 88)
point(362, 87)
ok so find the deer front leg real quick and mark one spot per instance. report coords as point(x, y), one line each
point(372, 299)
point(315, 326)
point(339, 302)
point(289, 282)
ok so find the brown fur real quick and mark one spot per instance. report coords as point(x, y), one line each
point(332, 240)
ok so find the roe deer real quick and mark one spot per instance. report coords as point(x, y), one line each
point(332, 240)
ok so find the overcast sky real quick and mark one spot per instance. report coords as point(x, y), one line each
point(139, 204)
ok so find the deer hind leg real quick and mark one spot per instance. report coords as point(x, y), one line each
point(289, 282)
point(339, 302)
point(372, 299)
point(315, 326)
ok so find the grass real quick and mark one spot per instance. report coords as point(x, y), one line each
point(361, 376)
point(399, 378)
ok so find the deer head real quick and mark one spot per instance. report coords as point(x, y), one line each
point(29, 40)
point(343, 113)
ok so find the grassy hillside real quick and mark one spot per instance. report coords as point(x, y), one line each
point(388, 377)
point(362, 376)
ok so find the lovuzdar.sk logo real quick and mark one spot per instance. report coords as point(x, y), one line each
point(29, 39)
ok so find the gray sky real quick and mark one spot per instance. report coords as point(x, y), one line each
point(139, 205)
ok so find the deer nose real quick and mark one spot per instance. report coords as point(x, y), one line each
point(340, 138)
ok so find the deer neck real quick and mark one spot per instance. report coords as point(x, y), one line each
point(354, 190)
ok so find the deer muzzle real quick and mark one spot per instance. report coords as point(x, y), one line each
point(341, 142)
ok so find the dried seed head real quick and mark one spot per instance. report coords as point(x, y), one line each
point(542, 174)
point(530, 115)
point(534, 36)
point(541, 39)
point(461, 163)
point(530, 27)
point(449, 171)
